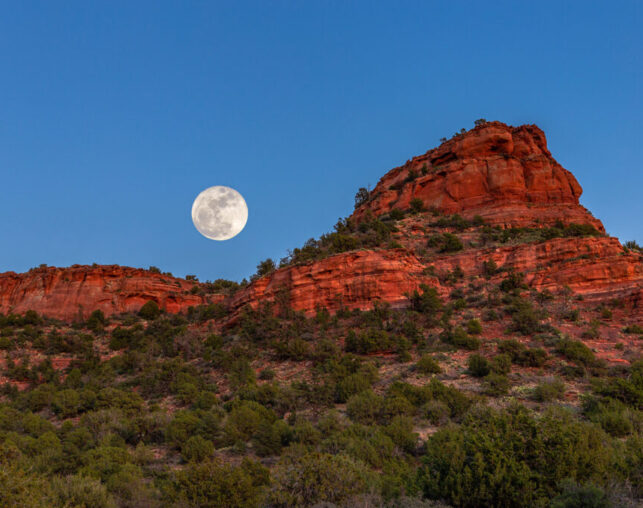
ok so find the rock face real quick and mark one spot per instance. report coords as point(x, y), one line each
point(73, 293)
point(504, 174)
point(353, 280)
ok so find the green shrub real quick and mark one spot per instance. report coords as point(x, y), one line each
point(318, 478)
point(495, 385)
point(428, 302)
point(450, 243)
point(364, 407)
point(265, 267)
point(400, 430)
point(512, 282)
point(489, 268)
point(150, 311)
point(501, 364)
point(521, 355)
point(437, 412)
point(416, 205)
point(80, 491)
point(577, 352)
point(490, 459)
point(474, 327)
point(428, 365)
point(368, 341)
point(396, 214)
point(549, 390)
point(580, 496)
point(478, 366)
point(458, 337)
point(361, 197)
point(211, 483)
point(196, 449)
point(524, 318)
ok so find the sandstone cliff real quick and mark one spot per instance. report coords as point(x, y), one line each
point(74, 292)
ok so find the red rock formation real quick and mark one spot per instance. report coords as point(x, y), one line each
point(504, 174)
point(73, 293)
point(353, 280)
point(597, 268)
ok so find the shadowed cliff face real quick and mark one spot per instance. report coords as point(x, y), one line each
point(522, 210)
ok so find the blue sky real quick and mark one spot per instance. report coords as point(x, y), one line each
point(115, 115)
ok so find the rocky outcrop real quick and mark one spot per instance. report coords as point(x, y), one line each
point(73, 293)
point(597, 268)
point(504, 174)
point(353, 280)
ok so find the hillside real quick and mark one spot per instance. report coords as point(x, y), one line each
point(471, 336)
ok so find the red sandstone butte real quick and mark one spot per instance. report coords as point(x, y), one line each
point(504, 174)
point(74, 292)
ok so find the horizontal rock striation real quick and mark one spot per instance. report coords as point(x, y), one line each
point(73, 293)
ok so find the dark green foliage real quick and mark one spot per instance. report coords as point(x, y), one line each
point(446, 242)
point(513, 281)
point(459, 338)
point(489, 268)
point(580, 496)
point(368, 341)
point(428, 365)
point(314, 478)
point(489, 460)
point(549, 390)
point(577, 352)
point(524, 318)
point(453, 221)
point(474, 327)
point(145, 423)
point(396, 214)
point(521, 235)
point(428, 302)
point(265, 267)
point(364, 407)
point(478, 366)
point(196, 449)
point(626, 390)
point(495, 384)
point(501, 364)
point(96, 321)
point(612, 415)
point(521, 354)
point(150, 311)
point(416, 205)
point(361, 197)
point(213, 484)
point(633, 329)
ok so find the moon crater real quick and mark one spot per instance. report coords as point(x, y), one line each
point(219, 213)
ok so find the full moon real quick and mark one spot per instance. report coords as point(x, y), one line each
point(219, 213)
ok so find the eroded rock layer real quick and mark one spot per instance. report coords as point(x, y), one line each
point(74, 292)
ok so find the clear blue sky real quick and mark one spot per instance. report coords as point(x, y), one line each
point(115, 115)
